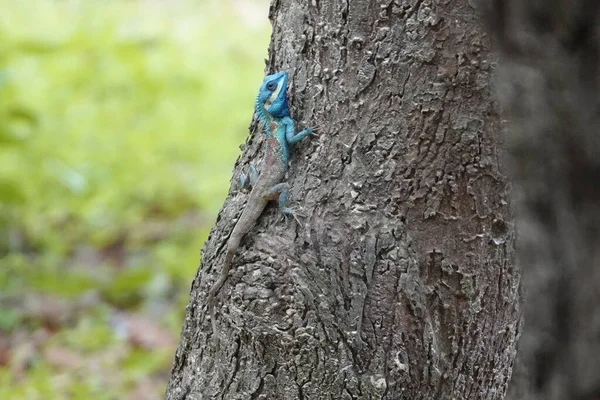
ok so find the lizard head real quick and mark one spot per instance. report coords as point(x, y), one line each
point(272, 96)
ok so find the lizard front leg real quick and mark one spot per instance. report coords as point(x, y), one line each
point(290, 131)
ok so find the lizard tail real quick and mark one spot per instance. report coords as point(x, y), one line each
point(243, 226)
point(232, 245)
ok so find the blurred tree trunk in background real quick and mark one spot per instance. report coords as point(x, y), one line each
point(401, 283)
point(550, 88)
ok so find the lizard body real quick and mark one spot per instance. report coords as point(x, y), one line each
point(273, 112)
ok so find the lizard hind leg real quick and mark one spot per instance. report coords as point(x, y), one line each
point(248, 180)
point(281, 192)
point(253, 174)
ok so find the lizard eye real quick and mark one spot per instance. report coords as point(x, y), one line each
point(272, 85)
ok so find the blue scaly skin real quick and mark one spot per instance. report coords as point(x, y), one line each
point(274, 114)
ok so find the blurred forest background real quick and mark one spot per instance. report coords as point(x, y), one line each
point(120, 121)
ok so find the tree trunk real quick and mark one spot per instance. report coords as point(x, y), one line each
point(550, 88)
point(401, 281)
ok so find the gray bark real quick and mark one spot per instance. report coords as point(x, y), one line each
point(401, 283)
point(550, 88)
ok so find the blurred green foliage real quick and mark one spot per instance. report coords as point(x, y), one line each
point(119, 125)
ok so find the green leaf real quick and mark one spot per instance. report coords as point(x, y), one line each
point(10, 192)
point(126, 290)
point(8, 318)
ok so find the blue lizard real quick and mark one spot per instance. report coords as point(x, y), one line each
point(274, 114)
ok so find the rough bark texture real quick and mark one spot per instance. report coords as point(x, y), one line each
point(550, 88)
point(401, 282)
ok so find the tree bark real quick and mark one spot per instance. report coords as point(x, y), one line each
point(401, 282)
point(550, 88)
